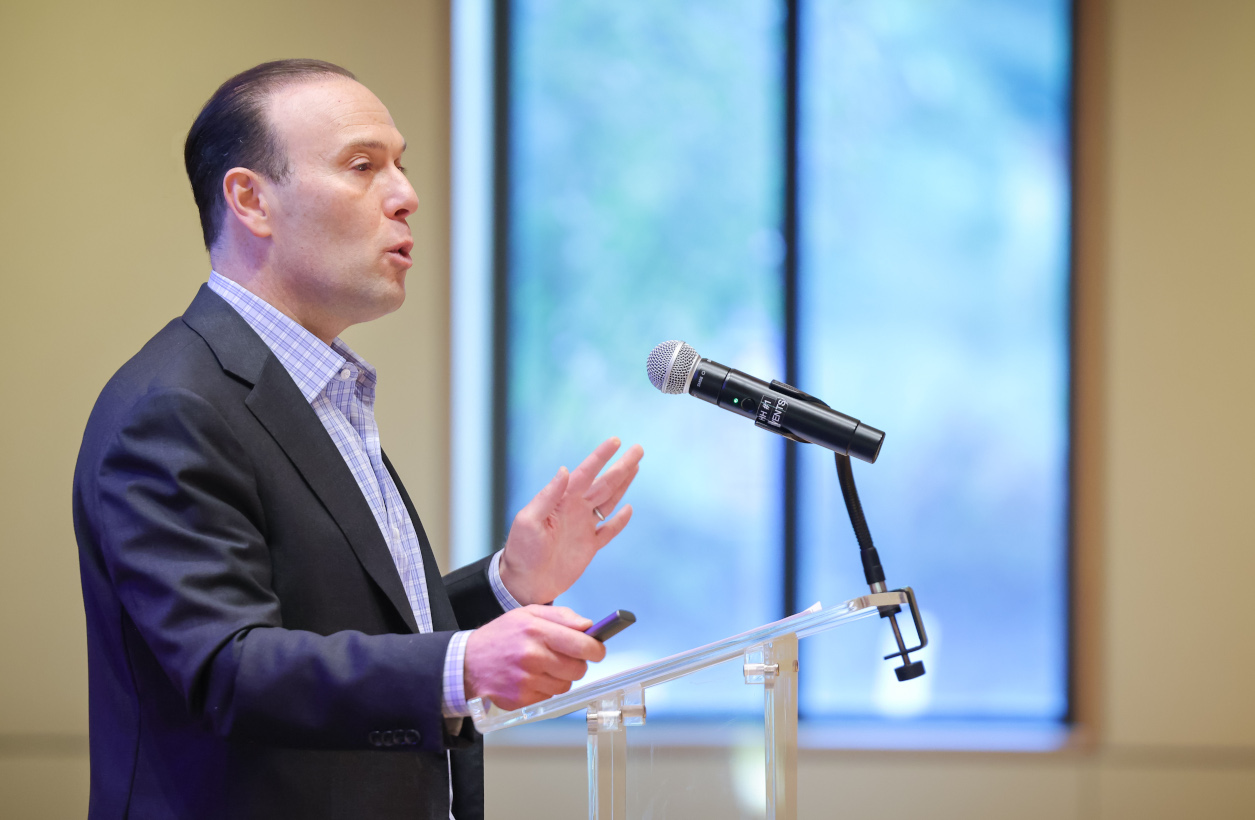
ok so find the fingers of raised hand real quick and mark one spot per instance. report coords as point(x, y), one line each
point(591, 466)
point(615, 481)
point(613, 526)
point(544, 502)
point(608, 496)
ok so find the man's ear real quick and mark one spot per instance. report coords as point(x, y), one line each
point(246, 197)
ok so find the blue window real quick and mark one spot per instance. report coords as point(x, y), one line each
point(871, 199)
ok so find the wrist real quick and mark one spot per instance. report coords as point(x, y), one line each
point(514, 580)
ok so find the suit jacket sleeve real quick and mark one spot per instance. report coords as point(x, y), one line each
point(182, 531)
point(471, 594)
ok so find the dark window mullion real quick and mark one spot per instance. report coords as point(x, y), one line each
point(500, 265)
point(790, 274)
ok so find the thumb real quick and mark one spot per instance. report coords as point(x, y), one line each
point(562, 615)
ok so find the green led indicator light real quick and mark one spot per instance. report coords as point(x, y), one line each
point(736, 401)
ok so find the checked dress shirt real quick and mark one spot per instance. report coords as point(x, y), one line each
point(340, 387)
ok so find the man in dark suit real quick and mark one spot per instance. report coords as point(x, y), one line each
point(268, 634)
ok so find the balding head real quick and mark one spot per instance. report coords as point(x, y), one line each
point(233, 130)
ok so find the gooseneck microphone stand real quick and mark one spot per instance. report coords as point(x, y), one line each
point(872, 570)
point(875, 575)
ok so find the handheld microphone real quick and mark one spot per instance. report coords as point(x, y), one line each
point(674, 367)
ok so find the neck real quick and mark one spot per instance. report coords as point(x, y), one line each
point(266, 284)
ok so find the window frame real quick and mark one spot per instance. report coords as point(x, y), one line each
point(479, 297)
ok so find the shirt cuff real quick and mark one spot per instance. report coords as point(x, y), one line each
point(498, 586)
point(454, 703)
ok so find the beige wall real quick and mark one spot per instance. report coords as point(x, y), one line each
point(99, 246)
point(1181, 367)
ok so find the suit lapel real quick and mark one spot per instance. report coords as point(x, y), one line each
point(283, 411)
point(277, 403)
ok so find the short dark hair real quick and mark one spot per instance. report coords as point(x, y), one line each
point(232, 131)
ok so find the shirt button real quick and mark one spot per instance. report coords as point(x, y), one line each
point(344, 374)
point(396, 532)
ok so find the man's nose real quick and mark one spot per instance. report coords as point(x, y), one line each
point(404, 201)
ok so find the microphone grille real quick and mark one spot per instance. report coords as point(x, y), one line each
point(669, 366)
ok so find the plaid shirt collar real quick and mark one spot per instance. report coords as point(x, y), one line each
point(311, 363)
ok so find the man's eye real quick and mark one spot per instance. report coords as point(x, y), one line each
point(362, 166)
point(402, 168)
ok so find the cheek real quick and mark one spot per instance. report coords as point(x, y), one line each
point(318, 209)
point(323, 220)
point(323, 209)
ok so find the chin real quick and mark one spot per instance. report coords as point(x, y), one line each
point(391, 299)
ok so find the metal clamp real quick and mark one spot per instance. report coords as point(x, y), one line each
point(909, 669)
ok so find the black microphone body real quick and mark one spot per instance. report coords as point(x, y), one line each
point(784, 410)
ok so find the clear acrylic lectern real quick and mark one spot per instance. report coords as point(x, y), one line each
point(614, 703)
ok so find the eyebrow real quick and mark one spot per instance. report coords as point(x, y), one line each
point(372, 145)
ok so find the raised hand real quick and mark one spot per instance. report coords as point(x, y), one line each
point(556, 535)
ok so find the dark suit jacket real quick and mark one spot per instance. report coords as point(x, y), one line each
point(251, 650)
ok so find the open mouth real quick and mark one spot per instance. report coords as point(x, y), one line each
point(402, 249)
